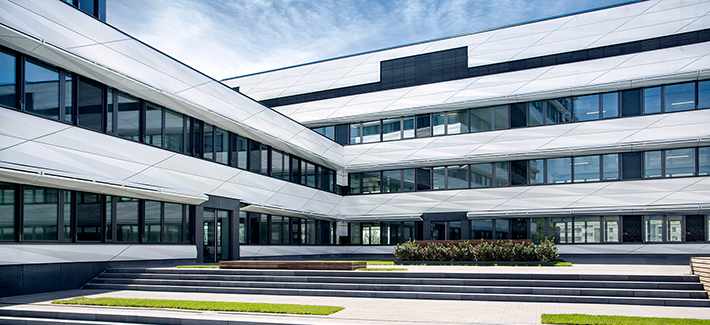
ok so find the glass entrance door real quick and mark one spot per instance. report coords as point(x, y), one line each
point(215, 243)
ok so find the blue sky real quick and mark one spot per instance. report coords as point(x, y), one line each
point(231, 38)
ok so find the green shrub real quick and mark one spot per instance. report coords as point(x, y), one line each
point(503, 251)
point(484, 252)
point(408, 251)
point(464, 252)
point(546, 251)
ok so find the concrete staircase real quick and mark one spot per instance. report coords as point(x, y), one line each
point(659, 290)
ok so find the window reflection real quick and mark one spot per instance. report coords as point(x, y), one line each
point(41, 89)
point(8, 79)
point(680, 97)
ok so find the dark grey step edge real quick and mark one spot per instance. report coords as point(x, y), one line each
point(418, 295)
point(395, 274)
point(688, 294)
point(25, 320)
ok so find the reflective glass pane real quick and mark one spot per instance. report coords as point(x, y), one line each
point(457, 176)
point(559, 170)
point(679, 97)
point(88, 217)
point(41, 213)
point(208, 151)
point(502, 229)
point(152, 221)
point(611, 229)
point(585, 108)
point(438, 124)
point(329, 132)
point(652, 164)
point(680, 162)
point(408, 128)
point(518, 115)
point(276, 230)
point(68, 97)
point(277, 164)
point(371, 132)
point(311, 231)
point(423, 126)
point(558, 111)
point(673, 227)
point(392, 129)
point(481, 119)
point(370, 182)
point(537, 229)
point(537, 171)
point(563, 230)
point(355, 133)
point(128, 125)
point(703, 94)
point(454, 230)
point(611, 167)
point(127, 219)
point(311, 175)
point(519, 172)
point(7, 211)
point(586, 169)
point(154, 125)
point(110, 110)
point(632, 229)
point(423, 179)
point(41, 89)
point(481, 175)
point(587, 230)
point(8, 79)
point(408, 182)
point(654, 228)
point(264, 170)
point(392, 181)
point(457, 122)
point(173, 130)
point(172, 232)
point(318, 130)
point(695, 228)
point(68, 216)
point(90, 105)
point(242, 153)
point(502, 173)
point(439, 178)
point(610, 105)
point(482, 229)
point(537, 113)
point(221, 146)
point(355, 187)
point(500, 117)
point(652, 100)
point(704, 161)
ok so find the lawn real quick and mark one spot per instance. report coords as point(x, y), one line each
point(579, 319)
point(204, 305)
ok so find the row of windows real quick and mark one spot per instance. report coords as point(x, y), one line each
point(40, 214)
point(60, 95)
point(96, 8)
point(382, 233)
point(452, 64)
point(624, 166)
point(263, 229)
point(645, 101)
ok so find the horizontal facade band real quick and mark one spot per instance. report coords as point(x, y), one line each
point(19, 254)
point(255, 208)
point(698, 208)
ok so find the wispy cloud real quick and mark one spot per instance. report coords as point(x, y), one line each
point(230, 38)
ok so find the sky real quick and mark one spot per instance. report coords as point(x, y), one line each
point(229, 38)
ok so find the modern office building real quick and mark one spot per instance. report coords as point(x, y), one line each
point(592, 128)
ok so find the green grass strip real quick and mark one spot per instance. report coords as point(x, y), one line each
point(197, 266)
point(204, 305)
point(579, 319)
point(557, 263)
point(381, 269)
point(369, 262)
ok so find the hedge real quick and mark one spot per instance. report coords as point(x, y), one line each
point(498, 251)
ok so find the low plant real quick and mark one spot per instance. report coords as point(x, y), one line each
point(497, 251)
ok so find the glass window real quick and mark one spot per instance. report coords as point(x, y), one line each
point(500, 117)
point(537, 113)
point(221, 144)
point(41, 213)
point(704, 161)
point(519, 228)
point(558, 111)
point(392, 129)
point(371, 132)
point(559, 170)
point(255, 157)
point(326, 179)
point(392, 181)
point(355, 133)
point(587, 230)
point(242, 227)
point(482, 229)
point(680, 162)
point(277, 161)
point(537, 171)
point(563, 230)
point(438, 124)
point(610, 105)
point(652, 100)
point(502, 229)
point(287, 167)
point(454, 230)
point(263, 229)
point(586, 169)
point(87, 6)
point(129, 109)
point(585, 108)
point(208, 152)
point(88, 217)
point(41, 89)
point(329, 132)
point(110, 111)
point(457, 122)
point(152, 221)
point(370, 182)
point(652, 164)
point(154, 125)
point(519, 172)
point(611, 229)
point(695, 228)
point(438, 230)
point(68, 216)
point(311, 232)
point(518, 115)
point(408, 180)
point(90, 105)
point(481, 119)
point(423, 126)
point(611, 167)
point(355, 187)
point(172, 232)
point(502, 173)
point(631, 229)
point(673, 228)
point(457, 177)
point(439, 178)
point(703, 94)
point(481, 175)
point(173, 130)
point(654, 228)
point(276, 230)
point(355, 233)
point(8, 79)
point(127, 219)
point(242, 153)
point(423, 179)
point(318, 130)
point(68, 96)
point(408, 128)
point(311, 175)
point(537, 229)
point(679, 97)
